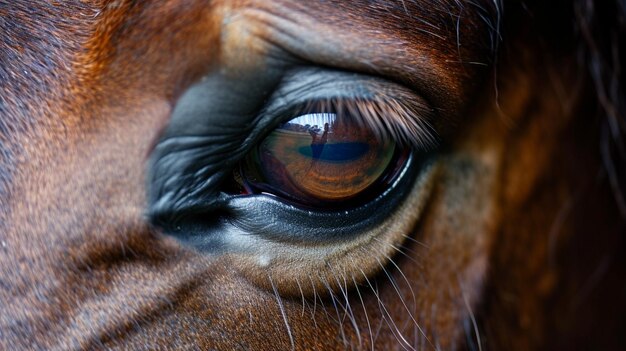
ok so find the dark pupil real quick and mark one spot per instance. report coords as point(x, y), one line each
point(319, 157)
point(339, 152)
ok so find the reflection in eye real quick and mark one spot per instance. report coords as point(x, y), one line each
point(322, 159)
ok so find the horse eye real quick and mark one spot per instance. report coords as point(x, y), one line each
point(322, 159)
point(332, 169)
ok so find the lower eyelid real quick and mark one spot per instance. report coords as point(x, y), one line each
point(291, 262)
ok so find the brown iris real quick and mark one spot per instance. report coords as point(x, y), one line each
point(319, 158)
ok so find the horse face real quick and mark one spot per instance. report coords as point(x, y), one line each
point(124, 123)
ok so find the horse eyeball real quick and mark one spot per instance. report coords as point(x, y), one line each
point(322, 159)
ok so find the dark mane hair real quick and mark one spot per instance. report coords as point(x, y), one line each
point(594, 32)
point(601, 29)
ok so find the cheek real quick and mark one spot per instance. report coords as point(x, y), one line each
point(442, 274)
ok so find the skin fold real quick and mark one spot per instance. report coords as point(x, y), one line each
point(511, 239)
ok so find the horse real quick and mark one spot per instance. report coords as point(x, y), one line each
point(133, 215)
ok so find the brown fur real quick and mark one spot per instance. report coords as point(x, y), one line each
point(521, 233)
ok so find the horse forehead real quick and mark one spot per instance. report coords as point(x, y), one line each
point(42, 40)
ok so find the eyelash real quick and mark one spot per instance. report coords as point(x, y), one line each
point(388, 118)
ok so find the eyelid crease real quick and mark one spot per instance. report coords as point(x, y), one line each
point(388, 118)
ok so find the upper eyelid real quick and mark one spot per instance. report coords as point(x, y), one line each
point(390, 109)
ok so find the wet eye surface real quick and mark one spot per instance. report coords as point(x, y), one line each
point(321, 159)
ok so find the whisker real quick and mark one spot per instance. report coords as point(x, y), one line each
point(339, 319)
point(395, 287)
point(407, 237)
point(406, 280)
point(401, 251)
point(283, 313)
point(367, 319)
point(313, 311)
point(302, 295)
point(471, 313)
point(344, 291)
point(387, 316)
point(382, 320)
point(323, 306)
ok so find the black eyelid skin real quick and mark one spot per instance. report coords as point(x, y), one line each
point(257, 214)
point(269, 218)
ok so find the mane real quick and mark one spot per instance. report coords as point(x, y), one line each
point(601, 28)
point(593, 32)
